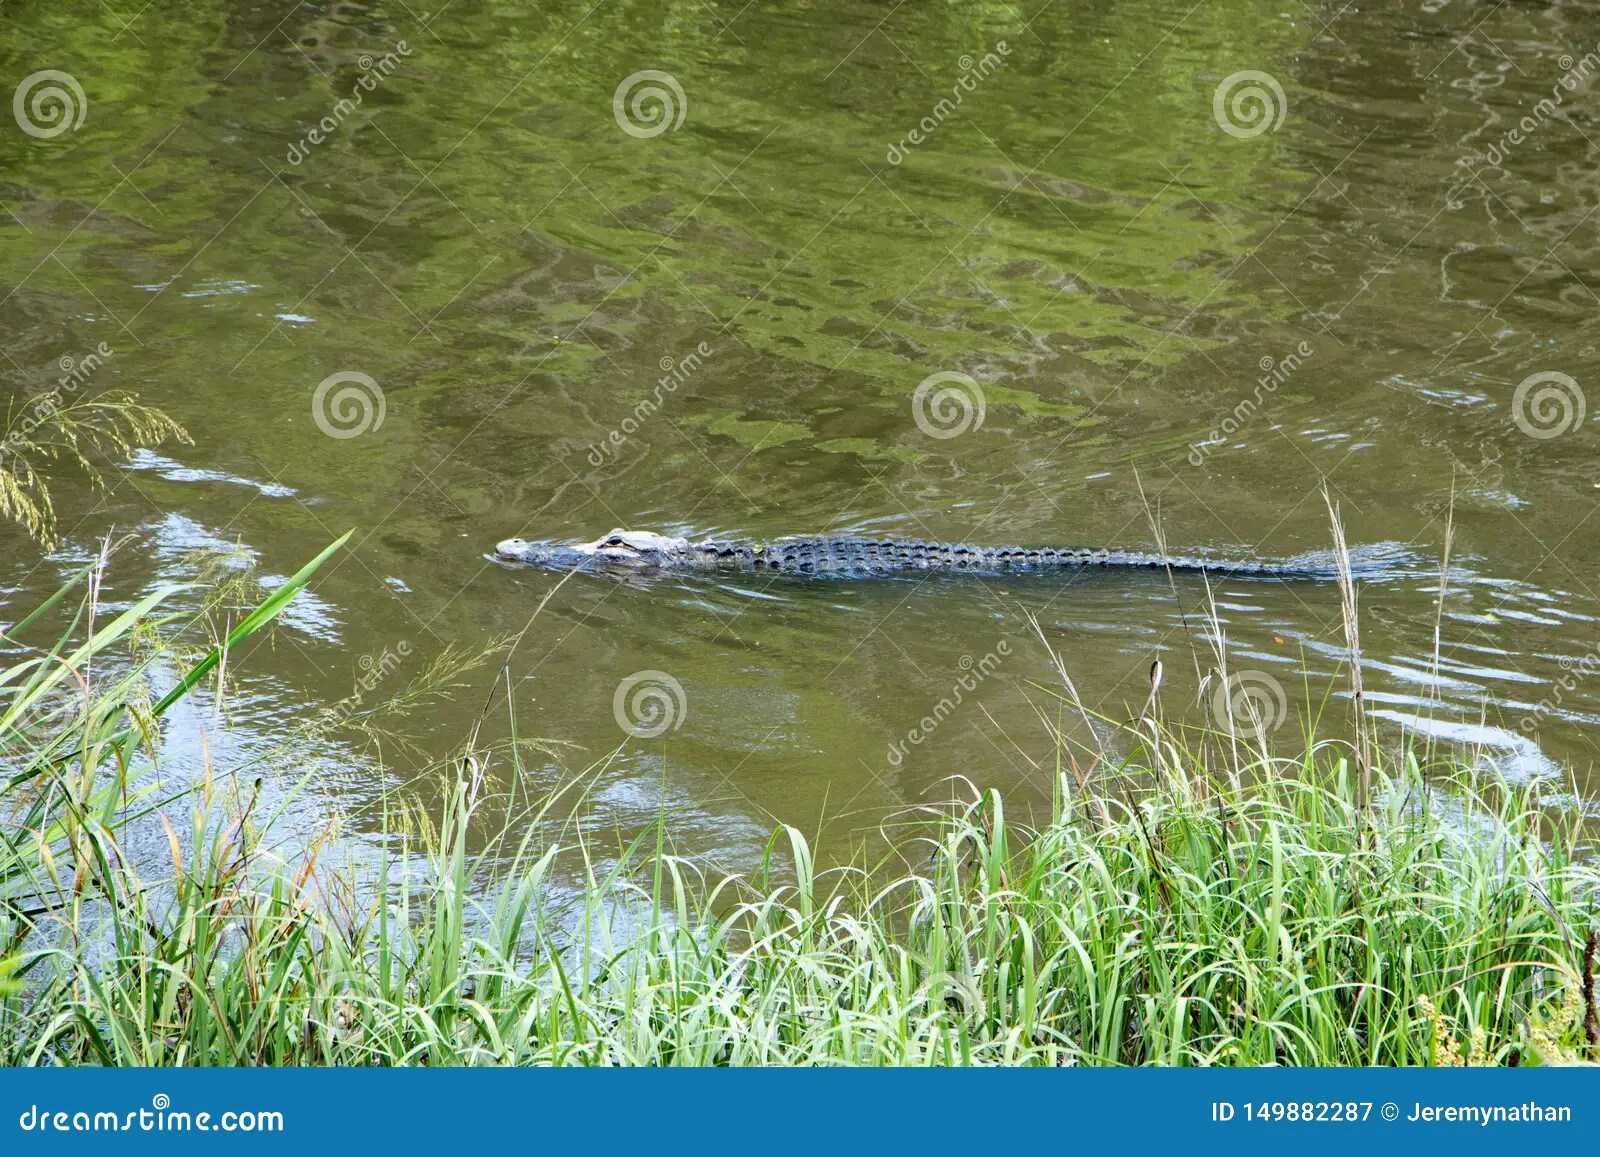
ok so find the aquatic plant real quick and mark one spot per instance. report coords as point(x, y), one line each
point(81, 431)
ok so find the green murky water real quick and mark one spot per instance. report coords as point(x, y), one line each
point(704, 301)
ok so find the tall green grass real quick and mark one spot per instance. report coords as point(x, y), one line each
point(1194, 904)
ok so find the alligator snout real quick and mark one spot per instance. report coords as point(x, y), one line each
point(547, 554)
point(621, 549)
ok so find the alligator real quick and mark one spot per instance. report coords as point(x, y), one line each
point(643, 550)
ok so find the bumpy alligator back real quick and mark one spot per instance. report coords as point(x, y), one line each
point(846, 556)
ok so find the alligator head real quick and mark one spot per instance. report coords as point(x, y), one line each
point(620, 549)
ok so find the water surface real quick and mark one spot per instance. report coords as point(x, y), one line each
point(720, 327)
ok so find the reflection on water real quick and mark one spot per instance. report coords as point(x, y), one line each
point(1137, 293)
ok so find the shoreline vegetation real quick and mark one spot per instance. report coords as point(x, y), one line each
point(1193, 901)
